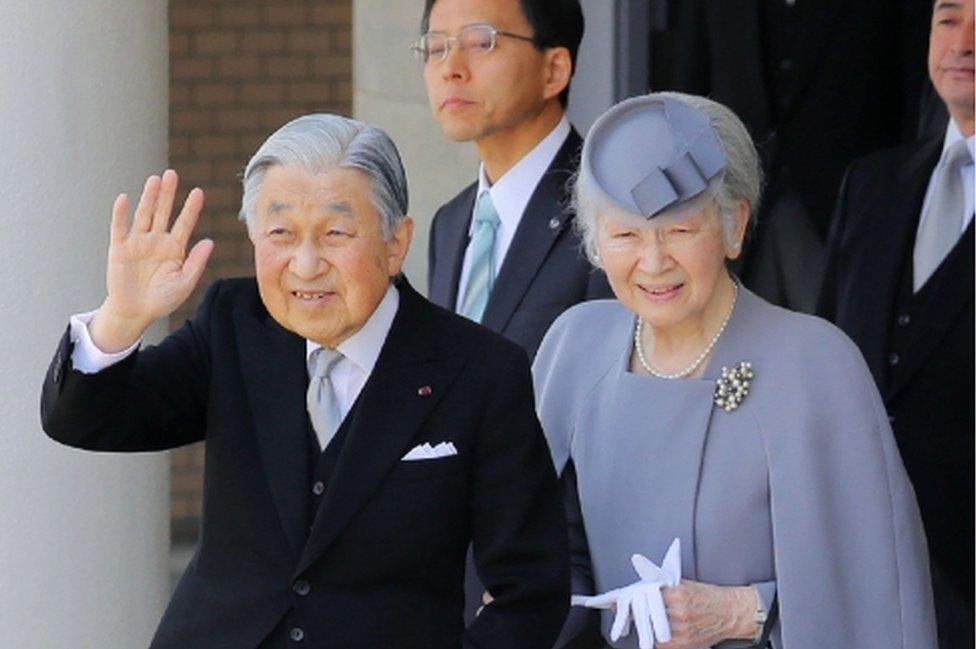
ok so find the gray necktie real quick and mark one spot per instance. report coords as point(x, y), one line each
point(942, 221)
point(482, 248)
point(323, 406)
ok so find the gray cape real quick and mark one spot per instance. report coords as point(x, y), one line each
point(801, 488)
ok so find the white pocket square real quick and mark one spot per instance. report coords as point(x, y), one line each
point(427, 452)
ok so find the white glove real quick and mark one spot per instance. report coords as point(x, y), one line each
point(641, 601)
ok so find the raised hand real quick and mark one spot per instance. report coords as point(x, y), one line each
point(149, 272)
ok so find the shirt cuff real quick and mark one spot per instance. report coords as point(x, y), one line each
point(86, 357)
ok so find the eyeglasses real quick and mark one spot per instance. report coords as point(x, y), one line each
point(478, 39)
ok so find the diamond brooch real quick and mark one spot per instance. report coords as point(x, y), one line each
point(732, 387)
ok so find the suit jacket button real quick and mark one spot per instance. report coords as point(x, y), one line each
point(318, 488)
point(302, 587)
point(296, 635)
point(894, 359)
point(553, 223)
point(904, 319)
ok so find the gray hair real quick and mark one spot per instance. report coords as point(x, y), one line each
point(319, 142)
point(741, 180)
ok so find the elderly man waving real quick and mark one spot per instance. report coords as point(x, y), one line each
point(358, 438)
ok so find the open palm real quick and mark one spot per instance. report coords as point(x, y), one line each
point(149, 272)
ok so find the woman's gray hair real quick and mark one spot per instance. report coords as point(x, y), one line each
point(319, 142)
point(741, 180)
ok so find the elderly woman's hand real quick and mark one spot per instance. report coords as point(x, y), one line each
point(702, 615)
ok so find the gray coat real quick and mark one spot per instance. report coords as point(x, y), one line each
point(801, 490)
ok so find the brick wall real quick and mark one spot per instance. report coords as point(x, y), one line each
point(238, 70)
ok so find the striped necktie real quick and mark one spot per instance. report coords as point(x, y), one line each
point(323, 406)
point(481, 250)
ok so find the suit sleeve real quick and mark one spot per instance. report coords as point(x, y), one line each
point(518, 523)
point(582, 627)
point(152, 400)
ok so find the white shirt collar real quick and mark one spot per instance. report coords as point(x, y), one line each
point(363, 347)
point(511, 193)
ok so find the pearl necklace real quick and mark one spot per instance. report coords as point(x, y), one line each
point(695, 363)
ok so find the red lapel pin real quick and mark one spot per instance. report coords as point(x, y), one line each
point(424, 391)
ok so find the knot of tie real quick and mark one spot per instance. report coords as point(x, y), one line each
point(484, 213)
point(322, 361)
point(956, 155)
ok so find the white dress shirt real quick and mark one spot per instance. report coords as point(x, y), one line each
point(953, 135)
point(348, 377)
point(510, 194)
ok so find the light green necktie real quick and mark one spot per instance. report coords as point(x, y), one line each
point(481, 251)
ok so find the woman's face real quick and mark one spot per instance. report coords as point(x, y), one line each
point(667, 272)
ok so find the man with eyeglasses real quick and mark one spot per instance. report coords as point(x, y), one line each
point(503, 251)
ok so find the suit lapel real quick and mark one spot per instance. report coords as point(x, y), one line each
point(889, 228)
point(544, 219)
point(276, 379)
point(391, 411)
point(951, 296)
point(444, 284)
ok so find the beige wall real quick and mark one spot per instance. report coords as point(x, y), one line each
point(388, 90)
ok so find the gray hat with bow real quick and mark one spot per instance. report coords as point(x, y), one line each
point(652, 155)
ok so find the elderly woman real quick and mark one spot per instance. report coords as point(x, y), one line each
point(691, 410)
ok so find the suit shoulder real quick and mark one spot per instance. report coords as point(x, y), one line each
point(459, 201)
point(883, 163)
point(462, 335)
point(233, 293)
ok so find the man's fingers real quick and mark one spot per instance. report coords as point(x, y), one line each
point(195, 262)
point(187, 220)
point(142, 220)
point(120, 214)
point(164, 204)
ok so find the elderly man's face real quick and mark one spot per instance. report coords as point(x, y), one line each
point(476, 95)
point(951, 55)
point(321, 261)
point(667, 273)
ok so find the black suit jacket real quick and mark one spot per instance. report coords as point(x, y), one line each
point(856, 83)
point(928, 388)
point(545, 271)
point(383, 558)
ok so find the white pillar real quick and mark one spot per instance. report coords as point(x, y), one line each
point(83, 116)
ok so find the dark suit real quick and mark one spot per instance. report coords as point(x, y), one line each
point(817, 86)
point(920, 350)
point(379, 562)
point(544, 271)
